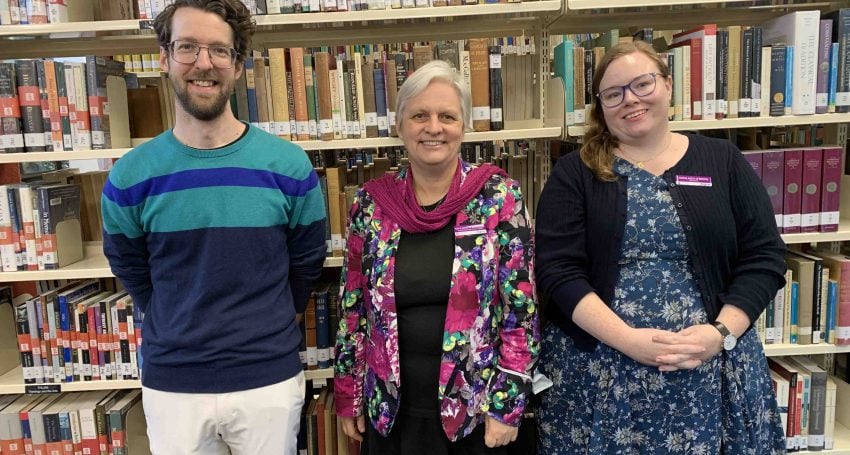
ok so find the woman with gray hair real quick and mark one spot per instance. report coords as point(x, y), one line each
point(438, 330)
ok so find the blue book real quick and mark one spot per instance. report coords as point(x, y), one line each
point(253, 110)
point(833, 75)
point(138, 320)
point(789, 77)
point(64, 301)
point(564, 66)
point(831, 312)
point(795, 298)
point(381, 101)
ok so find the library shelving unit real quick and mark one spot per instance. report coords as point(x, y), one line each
point(589, 16)
point(293, 30)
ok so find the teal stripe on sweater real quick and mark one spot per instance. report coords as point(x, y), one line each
point(216, 207)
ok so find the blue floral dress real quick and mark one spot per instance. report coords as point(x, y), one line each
point(603, 402)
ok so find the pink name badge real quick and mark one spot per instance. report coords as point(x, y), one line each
point(693, 180)
point(471, 229)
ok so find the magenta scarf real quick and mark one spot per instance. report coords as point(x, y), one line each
point(396, 198)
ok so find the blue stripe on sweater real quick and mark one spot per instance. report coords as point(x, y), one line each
point(203, 178)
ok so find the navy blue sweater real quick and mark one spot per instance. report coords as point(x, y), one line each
point(220, 248)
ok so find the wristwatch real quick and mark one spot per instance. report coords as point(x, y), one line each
point(729, 340)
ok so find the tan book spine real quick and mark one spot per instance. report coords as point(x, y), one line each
point(299, 90)
point(280, 98)
point(733, 75)
point(361, 108)
point(479, 64)
point(392, 94)
point(334, 176)
point(369, 106)
point(422, 54)
point(261, 93)
point(336, 117)
point(323, 87)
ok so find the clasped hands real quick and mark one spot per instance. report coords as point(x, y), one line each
point(671, 351)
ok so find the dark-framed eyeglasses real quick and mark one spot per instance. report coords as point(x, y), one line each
point(187, 52)
point(641, 86)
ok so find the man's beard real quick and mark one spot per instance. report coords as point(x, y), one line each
point(204, 112)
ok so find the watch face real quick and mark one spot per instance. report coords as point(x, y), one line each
point(729, 342)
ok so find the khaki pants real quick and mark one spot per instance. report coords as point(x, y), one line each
point(259, 421)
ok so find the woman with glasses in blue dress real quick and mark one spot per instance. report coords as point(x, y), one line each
point(656, 252)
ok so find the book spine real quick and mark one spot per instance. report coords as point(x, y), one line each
point(824, 52)
point(496, 117)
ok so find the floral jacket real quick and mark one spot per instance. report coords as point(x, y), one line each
point(491, 335)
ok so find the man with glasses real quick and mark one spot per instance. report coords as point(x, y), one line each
point(216, 229)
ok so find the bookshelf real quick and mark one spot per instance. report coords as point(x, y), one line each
point(291, 30)
point(94, 265)
point(589, 16)
point(746, 122)
point(520, 132)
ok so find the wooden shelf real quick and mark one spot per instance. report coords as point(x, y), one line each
point(508, 134)
point(842, 442)
point(13, 382)
point(406, 14)
point(147, 74)
point(595, 4)
point(70, 27)
point(774, 350)
point(587, 16)
point(94, 265)
point(747, 122)
point(843, 233)
point(6, 158)
point(325, 373)
point(520, 133)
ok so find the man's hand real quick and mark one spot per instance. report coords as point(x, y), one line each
point(353, 427)
point(497, 434)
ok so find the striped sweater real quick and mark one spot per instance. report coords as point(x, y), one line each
point(220, 248)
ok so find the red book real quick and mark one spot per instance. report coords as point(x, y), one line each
point(792, 199)
point(830, 189)
point(696, 75)
point(810, 195)
point(773, 178)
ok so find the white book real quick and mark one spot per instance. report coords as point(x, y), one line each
point(708, 34)
point(801, 30)
point(765, 83)
point(273, 6)
point(7, 247)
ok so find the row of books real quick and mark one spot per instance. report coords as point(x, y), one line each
point(104, 422)
point(40, 226)
point(63, 104)
point(350, 92)
point(312, 6)
point(319, 327)
point(139, 63)
point(79, 332)
point(320, 433)
point(814, 305)
point(804, 186)
point(791, 65)
point(806, 396)
point(24, 12)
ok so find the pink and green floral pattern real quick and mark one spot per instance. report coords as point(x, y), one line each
point(491, 335)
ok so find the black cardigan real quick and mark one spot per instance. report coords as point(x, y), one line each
point(737, 255)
